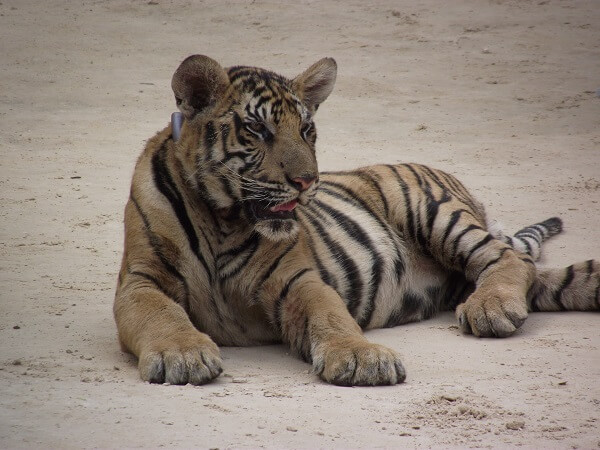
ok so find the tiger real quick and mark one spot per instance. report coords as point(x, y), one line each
point(234, 238)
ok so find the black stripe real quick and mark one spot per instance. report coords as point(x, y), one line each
point(235, 73)
point(203, 191)
point(355, 199)
point(182, 176)
point(367, 177)
point(432, 175)
point(275, 264)
point(262, 99)
point(408, 207)
point(399, 267)
point(527, 245)
point(210, 138)
point(460, 236)
point(450, 226)
point(523, 234)
point(235, 251)
point(259, 90)
point(351, 197)
point(537, 230)
point(250, 253)
point(480, 244)
point(158, 251)
point(566, 282)
point(451, 185)
point(433, 207)
point(345, 262)
point(277, 308)
point(165, 184)
point(510, 241)
point(420, 236)
point(276, 109)
point(225, 130)
point(458, 190)
point(248, 247)
point(415, 174)
point(492, 262)
point(323, 272)
point(238, 124)
point(589, 264)
point(420, 221)
point(354, 231)
point(542, 230)
point(432, 203)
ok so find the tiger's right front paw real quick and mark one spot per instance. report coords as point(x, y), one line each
point(186, 358)
point(354, 361)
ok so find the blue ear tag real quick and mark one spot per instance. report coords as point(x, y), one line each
point(176, 123)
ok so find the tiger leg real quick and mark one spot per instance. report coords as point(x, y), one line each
point(502, 278)
point(159, 332)
point(498, 305)
point(440, 218)
point(314, 321)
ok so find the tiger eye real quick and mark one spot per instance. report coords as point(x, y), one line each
point(257, 127)
point(306, 128)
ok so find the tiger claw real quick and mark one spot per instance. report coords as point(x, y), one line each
point(496, 315)
point(354, 362)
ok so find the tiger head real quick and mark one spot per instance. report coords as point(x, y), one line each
point(248, 139)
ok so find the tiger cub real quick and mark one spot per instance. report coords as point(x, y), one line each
point(233, 237)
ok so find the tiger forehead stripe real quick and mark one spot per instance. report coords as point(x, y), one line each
point(269, 104)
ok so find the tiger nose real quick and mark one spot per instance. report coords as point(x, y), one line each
point(303, 183)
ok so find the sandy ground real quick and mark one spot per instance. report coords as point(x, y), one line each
point(500, 93)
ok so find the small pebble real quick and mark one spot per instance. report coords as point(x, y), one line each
point(516, 425)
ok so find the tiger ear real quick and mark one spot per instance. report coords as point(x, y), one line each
point(316, 83)
point(198, 83)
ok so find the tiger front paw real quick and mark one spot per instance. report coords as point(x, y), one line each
point(492, 314)
point(186, 358)
point(357, 362)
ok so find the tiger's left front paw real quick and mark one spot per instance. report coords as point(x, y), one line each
point(352, 361)
point(492, 314)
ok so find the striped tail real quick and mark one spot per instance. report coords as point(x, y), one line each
point(574, 288)
point(529, 239)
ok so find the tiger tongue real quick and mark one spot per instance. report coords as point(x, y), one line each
point(289, 206)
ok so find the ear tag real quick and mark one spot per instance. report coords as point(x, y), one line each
point(176, 123)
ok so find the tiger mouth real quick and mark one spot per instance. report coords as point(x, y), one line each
point(260, 210)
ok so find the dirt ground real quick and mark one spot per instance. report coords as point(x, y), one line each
point(501, 93)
